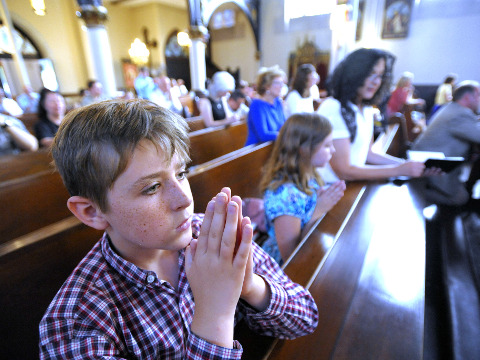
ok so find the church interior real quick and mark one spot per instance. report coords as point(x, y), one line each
point(392, 277)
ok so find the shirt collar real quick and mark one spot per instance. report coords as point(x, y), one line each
point(139, 277)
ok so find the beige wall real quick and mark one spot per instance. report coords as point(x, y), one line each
point(239, 51)
point(57, 35)
point(127, 23)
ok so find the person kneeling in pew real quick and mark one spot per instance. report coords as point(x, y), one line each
point(294, 195)
point(162, 282)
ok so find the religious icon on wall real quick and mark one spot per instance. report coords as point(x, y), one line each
point(396, 18)
point(130, 72)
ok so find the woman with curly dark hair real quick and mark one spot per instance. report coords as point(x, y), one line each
point(51, 110)
point(357, 84)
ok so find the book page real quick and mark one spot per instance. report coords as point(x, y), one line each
point(424, 155)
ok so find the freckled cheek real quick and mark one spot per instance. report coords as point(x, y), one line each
point(145, 220)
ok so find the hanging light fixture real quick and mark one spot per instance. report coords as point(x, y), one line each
point(183, 38)
point(38, 7)
point(138, 52)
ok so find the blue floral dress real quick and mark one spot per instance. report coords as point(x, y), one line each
point(287, 199)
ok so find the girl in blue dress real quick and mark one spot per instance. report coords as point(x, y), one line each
point(294, 195)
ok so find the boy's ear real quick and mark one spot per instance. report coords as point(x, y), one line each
point(87, 212)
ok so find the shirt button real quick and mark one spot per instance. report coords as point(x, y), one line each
point(150, 278)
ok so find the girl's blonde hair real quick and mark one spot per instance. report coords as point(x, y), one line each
point(290, 160)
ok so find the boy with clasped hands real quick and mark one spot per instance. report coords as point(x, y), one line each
point(160, 284)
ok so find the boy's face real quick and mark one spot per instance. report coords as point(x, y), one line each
point(150, 204)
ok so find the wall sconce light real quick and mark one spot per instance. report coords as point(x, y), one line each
point(38, 7)
point(138, 52)
point(184, 39)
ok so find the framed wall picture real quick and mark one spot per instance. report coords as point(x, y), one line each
point(130, 72)
point(396, 18)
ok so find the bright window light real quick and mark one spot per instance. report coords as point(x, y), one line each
point(300, 8)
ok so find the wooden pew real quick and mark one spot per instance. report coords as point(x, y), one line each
point(34, 267)
point(195, 123)
point(31, 202)
point(402, 144)
point(15, 166)
point(206, 144)
point(240, 171)
point(189, 102)
point(371, 302)
point(414, 127)
point(335, 254)
point(317, 243)
point(29, 120)
point(210, 143)
point(29, 185)
point(453, 293)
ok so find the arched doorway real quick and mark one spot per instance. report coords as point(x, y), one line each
point(40, 71)
point(177, 59)
point(233, 44)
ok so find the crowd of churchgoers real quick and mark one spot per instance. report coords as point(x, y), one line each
point(353, 105)
point(322, 139)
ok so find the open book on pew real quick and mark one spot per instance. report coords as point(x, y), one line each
point(436, 159)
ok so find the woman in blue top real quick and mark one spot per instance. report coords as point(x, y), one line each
point(266, 117)
point(294, 197)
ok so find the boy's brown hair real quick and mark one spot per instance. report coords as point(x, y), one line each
point(95, 143)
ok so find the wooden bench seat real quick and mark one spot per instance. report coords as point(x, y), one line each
point(211, 143)
point(29, 120)
point(31, 202)
point(345, 262)
point(241, 172)
point(23, 164)
point(452, 238)
point(369, 307)
point(34, 267)
point(29, 185)
point(195, 123)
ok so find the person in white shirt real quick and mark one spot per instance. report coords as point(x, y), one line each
point(9, 106)
point(357, 83)
point(144, 83)
point(94, 93)
point(14, 136)
point(164, 95)
point(300, 99)
point(236, 105)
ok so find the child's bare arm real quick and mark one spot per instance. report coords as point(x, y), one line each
point(215, 273)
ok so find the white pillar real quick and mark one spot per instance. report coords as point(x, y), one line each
point(102, 59)
point(198, 69)
point(16, 54)
point(343, 26)
point(99, 47)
